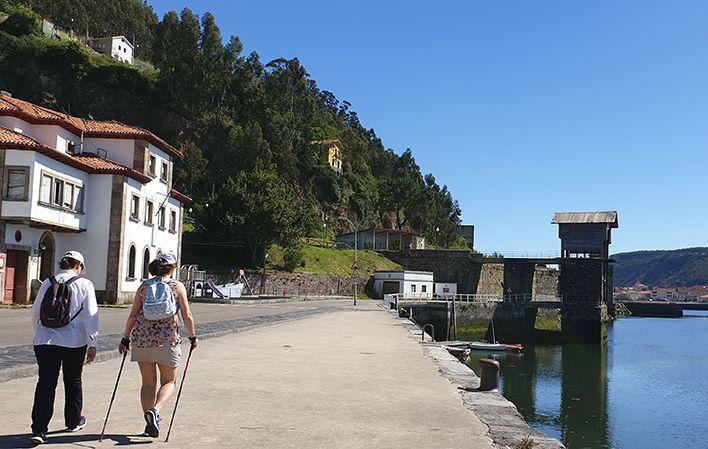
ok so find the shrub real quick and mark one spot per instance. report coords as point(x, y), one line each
point(21, 21)
point(526, 443)
point(293, 257)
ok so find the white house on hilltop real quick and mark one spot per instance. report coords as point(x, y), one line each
point(100, 187)
point(117, 47)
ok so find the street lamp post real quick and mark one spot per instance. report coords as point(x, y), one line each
point(356, 258)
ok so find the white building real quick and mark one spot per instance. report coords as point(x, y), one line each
point(100, 187)
point(417, 283)
point(446, 289)
point(117, 47)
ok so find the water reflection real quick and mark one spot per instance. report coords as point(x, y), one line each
point(625, 394)
point(572, 376)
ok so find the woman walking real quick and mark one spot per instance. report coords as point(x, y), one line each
point(152, 336)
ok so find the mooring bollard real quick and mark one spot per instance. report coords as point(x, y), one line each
point(489, 380)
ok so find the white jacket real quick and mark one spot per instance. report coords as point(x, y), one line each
point(83, 330)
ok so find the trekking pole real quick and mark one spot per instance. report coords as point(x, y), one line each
point(113, 396)
point(179, 393)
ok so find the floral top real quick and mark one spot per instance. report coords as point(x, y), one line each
point(153, 333)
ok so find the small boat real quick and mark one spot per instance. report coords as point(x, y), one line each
point(494, 347)
point(458, 351)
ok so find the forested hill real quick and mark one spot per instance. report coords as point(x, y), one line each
point(676, 268)
point(246, 125)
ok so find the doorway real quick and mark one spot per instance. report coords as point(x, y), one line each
point(46, 267)
point(16, 277)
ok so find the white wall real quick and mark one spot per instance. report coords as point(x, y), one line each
point(52, 136)
point(440, 288)
point(118, 53)
point(93, 243)
point(117, 150)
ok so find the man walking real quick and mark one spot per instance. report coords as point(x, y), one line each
point(65, 319)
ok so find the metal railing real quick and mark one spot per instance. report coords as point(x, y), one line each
point(523, 254)
point(395, 298)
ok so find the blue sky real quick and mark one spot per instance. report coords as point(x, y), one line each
point(521, 107)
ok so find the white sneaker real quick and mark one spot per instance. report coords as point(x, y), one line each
point(77, 427)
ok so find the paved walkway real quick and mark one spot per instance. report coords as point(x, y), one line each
point(348, 379)
point(212, 319)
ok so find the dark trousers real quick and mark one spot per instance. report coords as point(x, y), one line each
point(50, 359)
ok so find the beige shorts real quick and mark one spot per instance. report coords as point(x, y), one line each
point(168, 355)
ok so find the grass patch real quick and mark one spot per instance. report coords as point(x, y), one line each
point(332, 261)
point(472, 332)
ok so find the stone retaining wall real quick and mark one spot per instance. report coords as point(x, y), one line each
point(283, 283)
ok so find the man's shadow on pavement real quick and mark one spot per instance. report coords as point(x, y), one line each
point(89, 440)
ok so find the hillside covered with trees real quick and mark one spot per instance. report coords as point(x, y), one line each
point(675, 268)
point(246, 126)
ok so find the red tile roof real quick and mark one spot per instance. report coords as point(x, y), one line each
point(88, 163)
point(32, 113)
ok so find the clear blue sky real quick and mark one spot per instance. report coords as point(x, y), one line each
point(521, 107)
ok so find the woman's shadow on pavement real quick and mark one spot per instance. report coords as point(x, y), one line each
point(89, 440)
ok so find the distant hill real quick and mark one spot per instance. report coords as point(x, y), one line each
point(675, 268)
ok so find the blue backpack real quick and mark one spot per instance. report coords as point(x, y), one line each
point(160, 301)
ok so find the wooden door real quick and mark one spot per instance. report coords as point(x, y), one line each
point(10, 267)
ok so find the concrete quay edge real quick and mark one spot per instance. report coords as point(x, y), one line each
point(507, 428)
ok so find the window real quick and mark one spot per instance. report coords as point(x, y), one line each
point(58, 192)
point(61, 193)
point(423, 288)
point(146, 262)
point(413, 288)
point(16, 183)
point(69, 195)
point(131, 262)
point(151, 165)
point(70, 147)
point(163, 172)
point(135, 208)
point(148, 212)
point(173, 221)
point(161, 218)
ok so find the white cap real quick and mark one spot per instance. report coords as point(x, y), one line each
point(74, 255)
point(168, 256)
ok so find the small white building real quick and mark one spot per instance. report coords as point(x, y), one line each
point(417, 283)
point(99, 187)
point(117, 47)
point(445, 289)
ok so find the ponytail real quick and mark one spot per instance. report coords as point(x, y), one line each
point(159, 268)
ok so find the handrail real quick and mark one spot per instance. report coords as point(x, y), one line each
point(394, 298)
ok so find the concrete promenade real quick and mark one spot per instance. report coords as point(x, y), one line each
point(350, 378)
point(17, 354)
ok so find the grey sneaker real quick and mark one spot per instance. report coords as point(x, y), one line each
point(79, 426)
point(153, 423)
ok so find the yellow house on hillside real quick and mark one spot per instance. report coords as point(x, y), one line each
point(334, 154)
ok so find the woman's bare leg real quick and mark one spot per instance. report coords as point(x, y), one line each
point(148, 371)
point(168, 375)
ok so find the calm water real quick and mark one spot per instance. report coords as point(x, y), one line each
point(646, 389)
